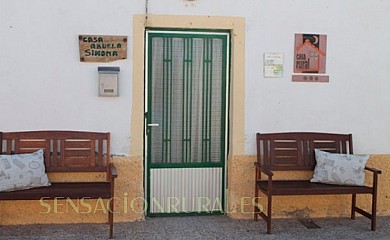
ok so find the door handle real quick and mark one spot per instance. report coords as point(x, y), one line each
point(153, 125)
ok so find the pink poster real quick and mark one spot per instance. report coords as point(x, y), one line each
point(310, 53)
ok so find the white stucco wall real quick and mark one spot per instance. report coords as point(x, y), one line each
point(43, 85)
point(356, 100)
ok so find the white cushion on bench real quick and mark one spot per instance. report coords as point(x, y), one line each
point(341, 169)
point(22, 171)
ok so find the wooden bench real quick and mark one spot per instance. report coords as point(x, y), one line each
point(295, 152)
point(66, 152)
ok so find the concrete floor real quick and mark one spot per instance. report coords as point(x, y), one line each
point(206, 227)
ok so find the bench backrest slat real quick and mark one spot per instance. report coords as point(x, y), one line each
point(100, 153)
point(295, 150)
point(54, 157)
point(64, 151)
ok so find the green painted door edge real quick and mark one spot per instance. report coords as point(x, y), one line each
point(224, 120)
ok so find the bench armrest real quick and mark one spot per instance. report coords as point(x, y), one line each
point(113, 171)
point(374, 170)
point(263, 170)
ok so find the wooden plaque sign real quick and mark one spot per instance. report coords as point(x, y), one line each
point(98, 48)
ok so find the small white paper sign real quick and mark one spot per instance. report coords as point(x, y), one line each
point(273, 65)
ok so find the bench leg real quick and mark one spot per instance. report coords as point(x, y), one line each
point(268, 217)
point(353, 206)
point(255, 208)
point(371, 216)
point(111, 211)
point(269, 213)
point(373, 211)
point(111, 218)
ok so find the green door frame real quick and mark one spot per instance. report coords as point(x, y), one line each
point(187, 34)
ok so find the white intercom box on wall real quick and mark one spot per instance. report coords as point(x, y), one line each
point(108, 81)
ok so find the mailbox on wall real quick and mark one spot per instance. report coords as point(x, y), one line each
point(108, 81)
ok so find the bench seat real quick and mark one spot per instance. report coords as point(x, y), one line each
point(74, 190)
point(303, 187)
